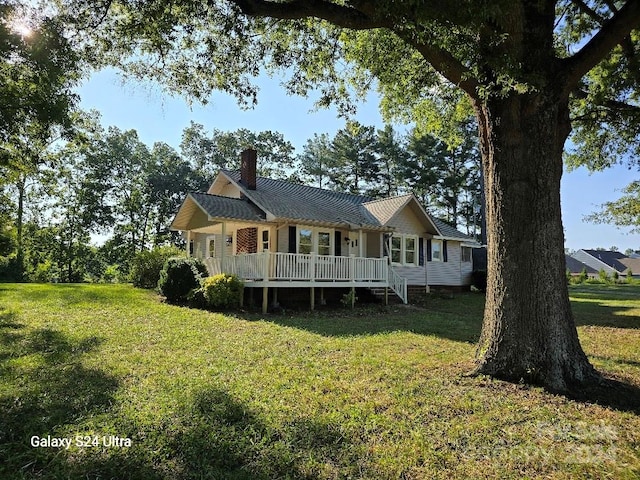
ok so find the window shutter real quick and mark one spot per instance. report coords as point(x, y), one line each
point(444, 251)
point(428, 249)
point(421, 251)
point(338, 243)
point(292, 239)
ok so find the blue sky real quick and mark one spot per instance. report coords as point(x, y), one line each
point(159, 117)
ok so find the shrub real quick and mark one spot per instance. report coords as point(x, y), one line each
point(629, 276)
point(111, 274)
point(349, 299)
point(178, 276)
point(10, 269)
point(45, 272)
point(146, 266)
point(222, 291)
point(602, 276)
point(583, 275)
point(195, 298)
point(479, 280)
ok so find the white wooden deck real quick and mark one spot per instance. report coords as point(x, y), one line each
point(271, 269)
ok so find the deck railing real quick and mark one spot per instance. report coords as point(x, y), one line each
point(398, 284)
point(295, 266)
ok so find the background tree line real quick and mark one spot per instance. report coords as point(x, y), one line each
point(108, 184)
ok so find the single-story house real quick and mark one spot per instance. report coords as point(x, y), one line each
point(575, 267)
point(276, 234)
point(609, 261)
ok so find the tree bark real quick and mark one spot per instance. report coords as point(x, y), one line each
point(528, 331)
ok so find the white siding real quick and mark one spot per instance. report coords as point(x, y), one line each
point(406, 221)
point(199, 244)
point(230, 190)
point(414, 275)
point(453, 272)
point(373, 245)
point(283, 239)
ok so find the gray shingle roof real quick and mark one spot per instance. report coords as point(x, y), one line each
point(575, 266)
point(291, 201)
point(300, 202)
point(610, 258)
point(225, 207)
point(450, 232)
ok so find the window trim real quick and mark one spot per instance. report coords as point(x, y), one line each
point(440, 243)
point(267, 241)
point(403, 249)
point(315, 234)
point(463, 249)
point(211, 240)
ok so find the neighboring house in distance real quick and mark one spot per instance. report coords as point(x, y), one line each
point(575, 267)
point(276, 234)
point(609, 261)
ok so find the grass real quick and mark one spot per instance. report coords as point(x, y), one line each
point(374, 393)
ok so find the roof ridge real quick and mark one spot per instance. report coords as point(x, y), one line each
point(217, 196)
point(376, 200)
point(293, 184)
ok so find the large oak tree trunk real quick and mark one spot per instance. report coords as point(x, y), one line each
point(528, 332)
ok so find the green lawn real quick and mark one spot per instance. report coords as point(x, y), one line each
point(375, 393)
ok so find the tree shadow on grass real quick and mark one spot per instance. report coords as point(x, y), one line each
point(221, 438)
point(458, 319)
point(46, 389)
point(611, 392)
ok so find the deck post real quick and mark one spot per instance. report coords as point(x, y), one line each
point(265, 299)
point(312, 267)
point(312, 302)
point(353, 297)
point(265, 266)
point(386, 295)
point(322, 300)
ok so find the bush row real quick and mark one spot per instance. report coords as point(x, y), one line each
point(184, 280)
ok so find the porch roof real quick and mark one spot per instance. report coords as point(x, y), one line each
point(216, 208)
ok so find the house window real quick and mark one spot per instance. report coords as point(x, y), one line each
point(305, 240)
point(396, 249)
point(315, 240)
point(404, 249)
point(466, 254)
point(436, 250)
point(410, 250)
point(265, 240)
point(324, 243)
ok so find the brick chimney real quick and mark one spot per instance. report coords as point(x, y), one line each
point(248, 161)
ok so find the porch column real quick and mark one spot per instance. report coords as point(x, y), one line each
point(188, 243)
point(360, 247)
point(223, 250)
